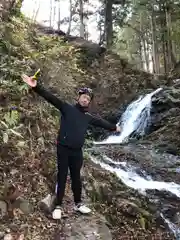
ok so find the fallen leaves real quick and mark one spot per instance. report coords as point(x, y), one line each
point(11, 192)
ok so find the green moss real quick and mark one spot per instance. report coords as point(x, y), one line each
point(142, 222)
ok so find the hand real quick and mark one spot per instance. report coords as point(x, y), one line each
point(29, 80)
point(118, 129)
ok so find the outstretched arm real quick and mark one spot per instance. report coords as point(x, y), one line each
point(99, 122)
point(59, 104)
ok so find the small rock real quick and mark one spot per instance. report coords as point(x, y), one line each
point(24, 226)
point(3, 208)
point(21, 144)
point(1, 235)
point(14, 227)
point(21, 237)
point(23, 205)
point(13, 171)
point(47, 203)
point(8, 237)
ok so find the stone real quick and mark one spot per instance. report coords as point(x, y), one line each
point(47, 203)
point(13, 171)
point(88, 228)
point(14, 227)
point(3, 208)
point(8, 237)
point(21, 237)
point(1, 235)
point(23, 205)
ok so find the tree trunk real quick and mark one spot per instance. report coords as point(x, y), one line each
point(144, 44)
point(108, 23)
point(145, 54)
point(81, 15)
point(101, 34)
point(164, 36)
point(36, 11)
point(50, 14)
point(155, 54)
point(70, 17)
point(141, 55)
point(171, 57)
point(101, 27)
point(54, 15)
point(59, 15)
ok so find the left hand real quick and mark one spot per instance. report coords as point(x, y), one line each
point(118, 129)
point(29, 80)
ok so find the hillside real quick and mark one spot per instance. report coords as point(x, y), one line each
point(28, 125)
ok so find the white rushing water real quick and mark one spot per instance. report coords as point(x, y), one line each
point(134, 119)
point(134, 180)
point(174, 228)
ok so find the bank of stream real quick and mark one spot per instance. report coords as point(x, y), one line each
point(141, 167)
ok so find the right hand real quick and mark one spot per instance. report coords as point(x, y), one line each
point(29, 80)
point(118, 129)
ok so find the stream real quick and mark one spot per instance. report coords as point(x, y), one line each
point(147, 180)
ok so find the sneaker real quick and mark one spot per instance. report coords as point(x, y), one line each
point(82, 208)
point(56, 214)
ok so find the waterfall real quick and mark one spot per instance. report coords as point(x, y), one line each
point(134, 120)
point(173, 227)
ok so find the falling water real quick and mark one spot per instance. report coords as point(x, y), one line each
point(134, 120)
point(172, 226)
point(129, 177)
point(132, 179)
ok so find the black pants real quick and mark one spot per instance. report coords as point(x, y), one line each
point(69, 159)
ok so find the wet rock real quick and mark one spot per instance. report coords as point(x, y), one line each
point(126, 204)
point(163, 195)
point(121, 205)
point(131, 208)
point(147, 161)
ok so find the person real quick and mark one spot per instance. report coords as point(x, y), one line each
point(75, 120)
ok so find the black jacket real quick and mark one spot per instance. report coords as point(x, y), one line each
point(74, 120)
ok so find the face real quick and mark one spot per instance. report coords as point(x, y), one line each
point(84, 100)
